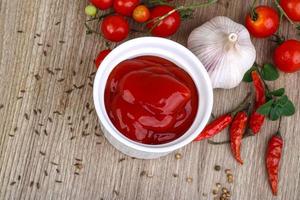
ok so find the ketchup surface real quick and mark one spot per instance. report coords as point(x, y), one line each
point(150, 100)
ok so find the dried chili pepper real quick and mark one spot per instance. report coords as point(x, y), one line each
point(237, 131)
point(273, 157)
point(215, 127)
point(256, 120)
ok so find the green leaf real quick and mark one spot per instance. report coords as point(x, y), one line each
point(282, 100)
point(269, 72)
point(247, 76)
point(278, 92)
point(266, 108)
point(288, 109)
point(275, 113)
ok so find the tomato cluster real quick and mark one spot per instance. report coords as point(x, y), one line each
point(116, 28)
point(264, 21)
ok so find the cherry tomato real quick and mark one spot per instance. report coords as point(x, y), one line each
point(101, 57)
point(102, 4)
point(125, 7)
point(115, 28)
point(287, 56)
point(264, 24)
point(166, 27)
point(141, 13)
point(291, 8)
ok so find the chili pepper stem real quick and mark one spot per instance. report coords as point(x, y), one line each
point(242, 105)
point(283, 12)
point(279, 127)
point(246, 135)
point(253, 14)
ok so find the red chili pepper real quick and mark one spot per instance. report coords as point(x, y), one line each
point(237, 131)
point(256, 120)
point(215, 127)
point(273, 157)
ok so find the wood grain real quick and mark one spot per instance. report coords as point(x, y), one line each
point(35, 164)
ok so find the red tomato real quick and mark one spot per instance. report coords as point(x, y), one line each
point(141, 13)
point(125, 7)
point(166, 27)
point(102, 4)
point(264, 24)
point(101, 57)
point(287, 56)
point(291, 8)
point(115, 28)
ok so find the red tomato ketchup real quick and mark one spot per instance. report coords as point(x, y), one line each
point(150, 100)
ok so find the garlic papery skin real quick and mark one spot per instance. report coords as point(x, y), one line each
point(225, 49)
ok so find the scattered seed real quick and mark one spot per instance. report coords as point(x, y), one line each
point(26, 116)
point(78, 87)
point(143, 173)
point(45, 172)
point(224, 195)
point(57, 23)
point(19, 177)
point(72, 138)
point(60, 80)
point(217, 167)
point(10, 135)
point(70, 123)
point(116, 192)
point(54, 163)
point(76, 173)
point(57, 112)
point(58, 181)
point(37, 77)
point(22, 91)
point(228, 171)
point(189, 179)
point(69, 91)
point(39, 44)
point(121, 160)
point(42, 153)
point(36, 132)
point(38, 35)
point(175, 175)
point(69, 118)
point(98, 135)
point(78, 165)
point(215, 191)
point(49, 71)
point(50, 119)
point(15, 129)
point(84, 134)
point(178, 156)
point(38, 185)
point(31, 183)
point(62, 42)
point(228, 194)
point(20, 31)
point(218, 185)
point(12, 183)
point(224, 190)
point(97, 143)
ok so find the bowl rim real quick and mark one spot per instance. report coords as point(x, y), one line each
point(102, 75)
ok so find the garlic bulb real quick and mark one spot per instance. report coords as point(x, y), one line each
point(225, 49)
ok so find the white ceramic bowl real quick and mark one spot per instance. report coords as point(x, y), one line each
point(169, 50)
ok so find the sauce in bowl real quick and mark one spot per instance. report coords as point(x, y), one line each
point(151, 100)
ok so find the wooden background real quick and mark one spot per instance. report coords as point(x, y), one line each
point(50, 144)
